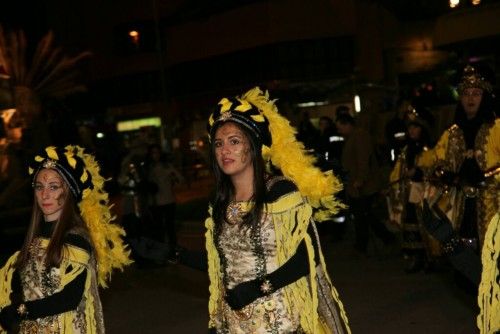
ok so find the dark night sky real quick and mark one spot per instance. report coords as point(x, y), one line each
point(28, 15)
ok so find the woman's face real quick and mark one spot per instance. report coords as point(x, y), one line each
point(50, 193)
point(471, 100)
point(232, 150)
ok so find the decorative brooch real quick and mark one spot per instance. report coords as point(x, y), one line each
point(266, 287)
point(224, 116)
point(234, 213)
point(49, 163)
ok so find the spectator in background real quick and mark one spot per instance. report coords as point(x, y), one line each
point(162, 176)
point(324, 147)
point(407, 192)
point(395, 130)
point(307, 133)
point(363, 182)
point(329, 151)
point(130, 181)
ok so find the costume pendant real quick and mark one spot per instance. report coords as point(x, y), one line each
point(234, 213)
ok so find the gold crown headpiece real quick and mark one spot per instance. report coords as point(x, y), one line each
point(81, 172)
point(472, 79)
point(282, 149)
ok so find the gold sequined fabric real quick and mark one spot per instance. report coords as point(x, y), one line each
point(39, 282)
point(267, 314)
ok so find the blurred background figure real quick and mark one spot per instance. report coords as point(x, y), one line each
point(328, 151)
point(132, 198)
point(406, 192)
point(363, 184)
point(307, 133)
point(395, 129)
point(162, 176)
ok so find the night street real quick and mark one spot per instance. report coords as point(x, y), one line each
point(124, 125)
point(378, 296)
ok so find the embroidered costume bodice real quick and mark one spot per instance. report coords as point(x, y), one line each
point(40, 282)
point(245, 256)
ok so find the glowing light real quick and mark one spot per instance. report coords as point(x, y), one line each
point(100, 135)
point(339, 220)
point(357, 103)
point(476, 2)
point(136, 124)
point(311, 104)
point(134, 36)
point(393, 155)
point(333, 139)
point(7, 115)
point(454, 3)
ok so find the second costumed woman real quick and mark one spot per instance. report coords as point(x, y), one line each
point(267, 272)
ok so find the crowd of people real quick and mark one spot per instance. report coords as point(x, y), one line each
point(263, 248)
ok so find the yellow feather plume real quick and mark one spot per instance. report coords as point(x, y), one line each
point(290, 156)
point(111, 251)
point(51, 153)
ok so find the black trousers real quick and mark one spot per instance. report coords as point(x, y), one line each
point(362, 208)
point(164, 222)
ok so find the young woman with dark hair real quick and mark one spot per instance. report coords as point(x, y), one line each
point(51, 284)
point(267, 273)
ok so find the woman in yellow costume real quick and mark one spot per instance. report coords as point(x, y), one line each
point(267, 272)
point(466, 161)
point(51, 284)
point(406, 193)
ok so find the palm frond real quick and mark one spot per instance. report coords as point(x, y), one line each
point(48, 60)
point(49, 72)
point(22, 56)
point(13, 56)
point(3, 51)
point(43, 52)
point(60, 70)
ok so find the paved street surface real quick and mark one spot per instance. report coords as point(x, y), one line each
point(378, 296)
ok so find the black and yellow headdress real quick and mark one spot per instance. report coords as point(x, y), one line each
point(81, 172)
point(471, 78)
point(244, 113)
point(258, 113)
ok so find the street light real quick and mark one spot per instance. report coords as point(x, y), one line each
point(357, 103)
point(454, 3)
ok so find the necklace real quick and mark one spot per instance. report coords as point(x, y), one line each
point(234, 213)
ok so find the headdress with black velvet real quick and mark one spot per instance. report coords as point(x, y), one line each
point(68, 164)
point(245, 114)
point(256, 112)
point(82, 173)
